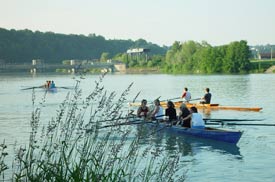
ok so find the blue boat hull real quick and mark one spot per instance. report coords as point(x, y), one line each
point(208, 133)
point(53, 90)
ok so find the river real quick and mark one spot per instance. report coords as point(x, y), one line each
point(252, 159)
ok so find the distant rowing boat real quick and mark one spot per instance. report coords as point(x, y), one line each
point(208, 106)
point(53, 90)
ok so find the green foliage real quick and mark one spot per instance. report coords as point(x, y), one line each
point(259, 66)
point(104, 56)
point(20, 46)
point(192, 57)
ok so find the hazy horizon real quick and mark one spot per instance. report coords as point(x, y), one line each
point(157, 21)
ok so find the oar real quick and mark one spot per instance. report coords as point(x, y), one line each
point(180, 98)
point(127, 117)
point(121, 124)
point(229, 120)
point(127, 122)
point(66, 87)
point(250, 124)
point(171, 99)
point(242, 124)
point(193, 99)
point(152, 102)
point(31, 88)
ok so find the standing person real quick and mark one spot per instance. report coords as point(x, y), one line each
point(157, 113)
point(184, 112)
point(196, 119)
point(186, 95)
point(170, 112)
point(143, 109)
point(207, 97)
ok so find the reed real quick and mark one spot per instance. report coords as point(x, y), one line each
point(61, 150)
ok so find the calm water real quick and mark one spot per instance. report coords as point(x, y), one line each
point(252, 159)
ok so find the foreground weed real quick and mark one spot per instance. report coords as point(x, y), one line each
point(62, 149)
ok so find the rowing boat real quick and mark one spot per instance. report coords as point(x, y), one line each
point(215, 106)
point(216, 134)
point(53, 90)
point(208, 106)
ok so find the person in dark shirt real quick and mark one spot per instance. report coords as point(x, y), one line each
point(170, 112)
point(184, 112)
point(143, 109)
point(206, 99)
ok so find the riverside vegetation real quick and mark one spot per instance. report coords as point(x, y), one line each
point(71, 147)
point(22, 46)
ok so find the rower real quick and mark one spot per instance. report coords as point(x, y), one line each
point(143, 109)
point(52, 85)
point(207, 97)
point(170, 112)
point(186, 95)
point(157, 113)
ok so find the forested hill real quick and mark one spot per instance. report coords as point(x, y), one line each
point(20, 46)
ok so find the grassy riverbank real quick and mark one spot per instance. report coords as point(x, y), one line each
point(260, 66)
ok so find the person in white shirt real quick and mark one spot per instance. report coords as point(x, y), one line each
point(186, 95)
point(157, 113)
point(196, 119)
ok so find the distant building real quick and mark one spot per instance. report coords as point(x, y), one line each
point(266, 55)
point(37, 62)
point(138, 52)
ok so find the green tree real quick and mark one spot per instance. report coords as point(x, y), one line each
point(104, 57)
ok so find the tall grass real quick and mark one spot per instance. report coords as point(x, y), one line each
point(71, 147)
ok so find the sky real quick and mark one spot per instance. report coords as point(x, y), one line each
point(162, 22)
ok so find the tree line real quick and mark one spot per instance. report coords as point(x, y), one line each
point(21, 46)
point(194, 57)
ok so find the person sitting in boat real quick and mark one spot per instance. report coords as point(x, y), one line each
point(157, 113)
point(47, 84)
point(206, 99)
point(186, 95)
point(143, 109)
point(170, 112)
point(52, 85)
point(196, 119)
point(184, 112)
